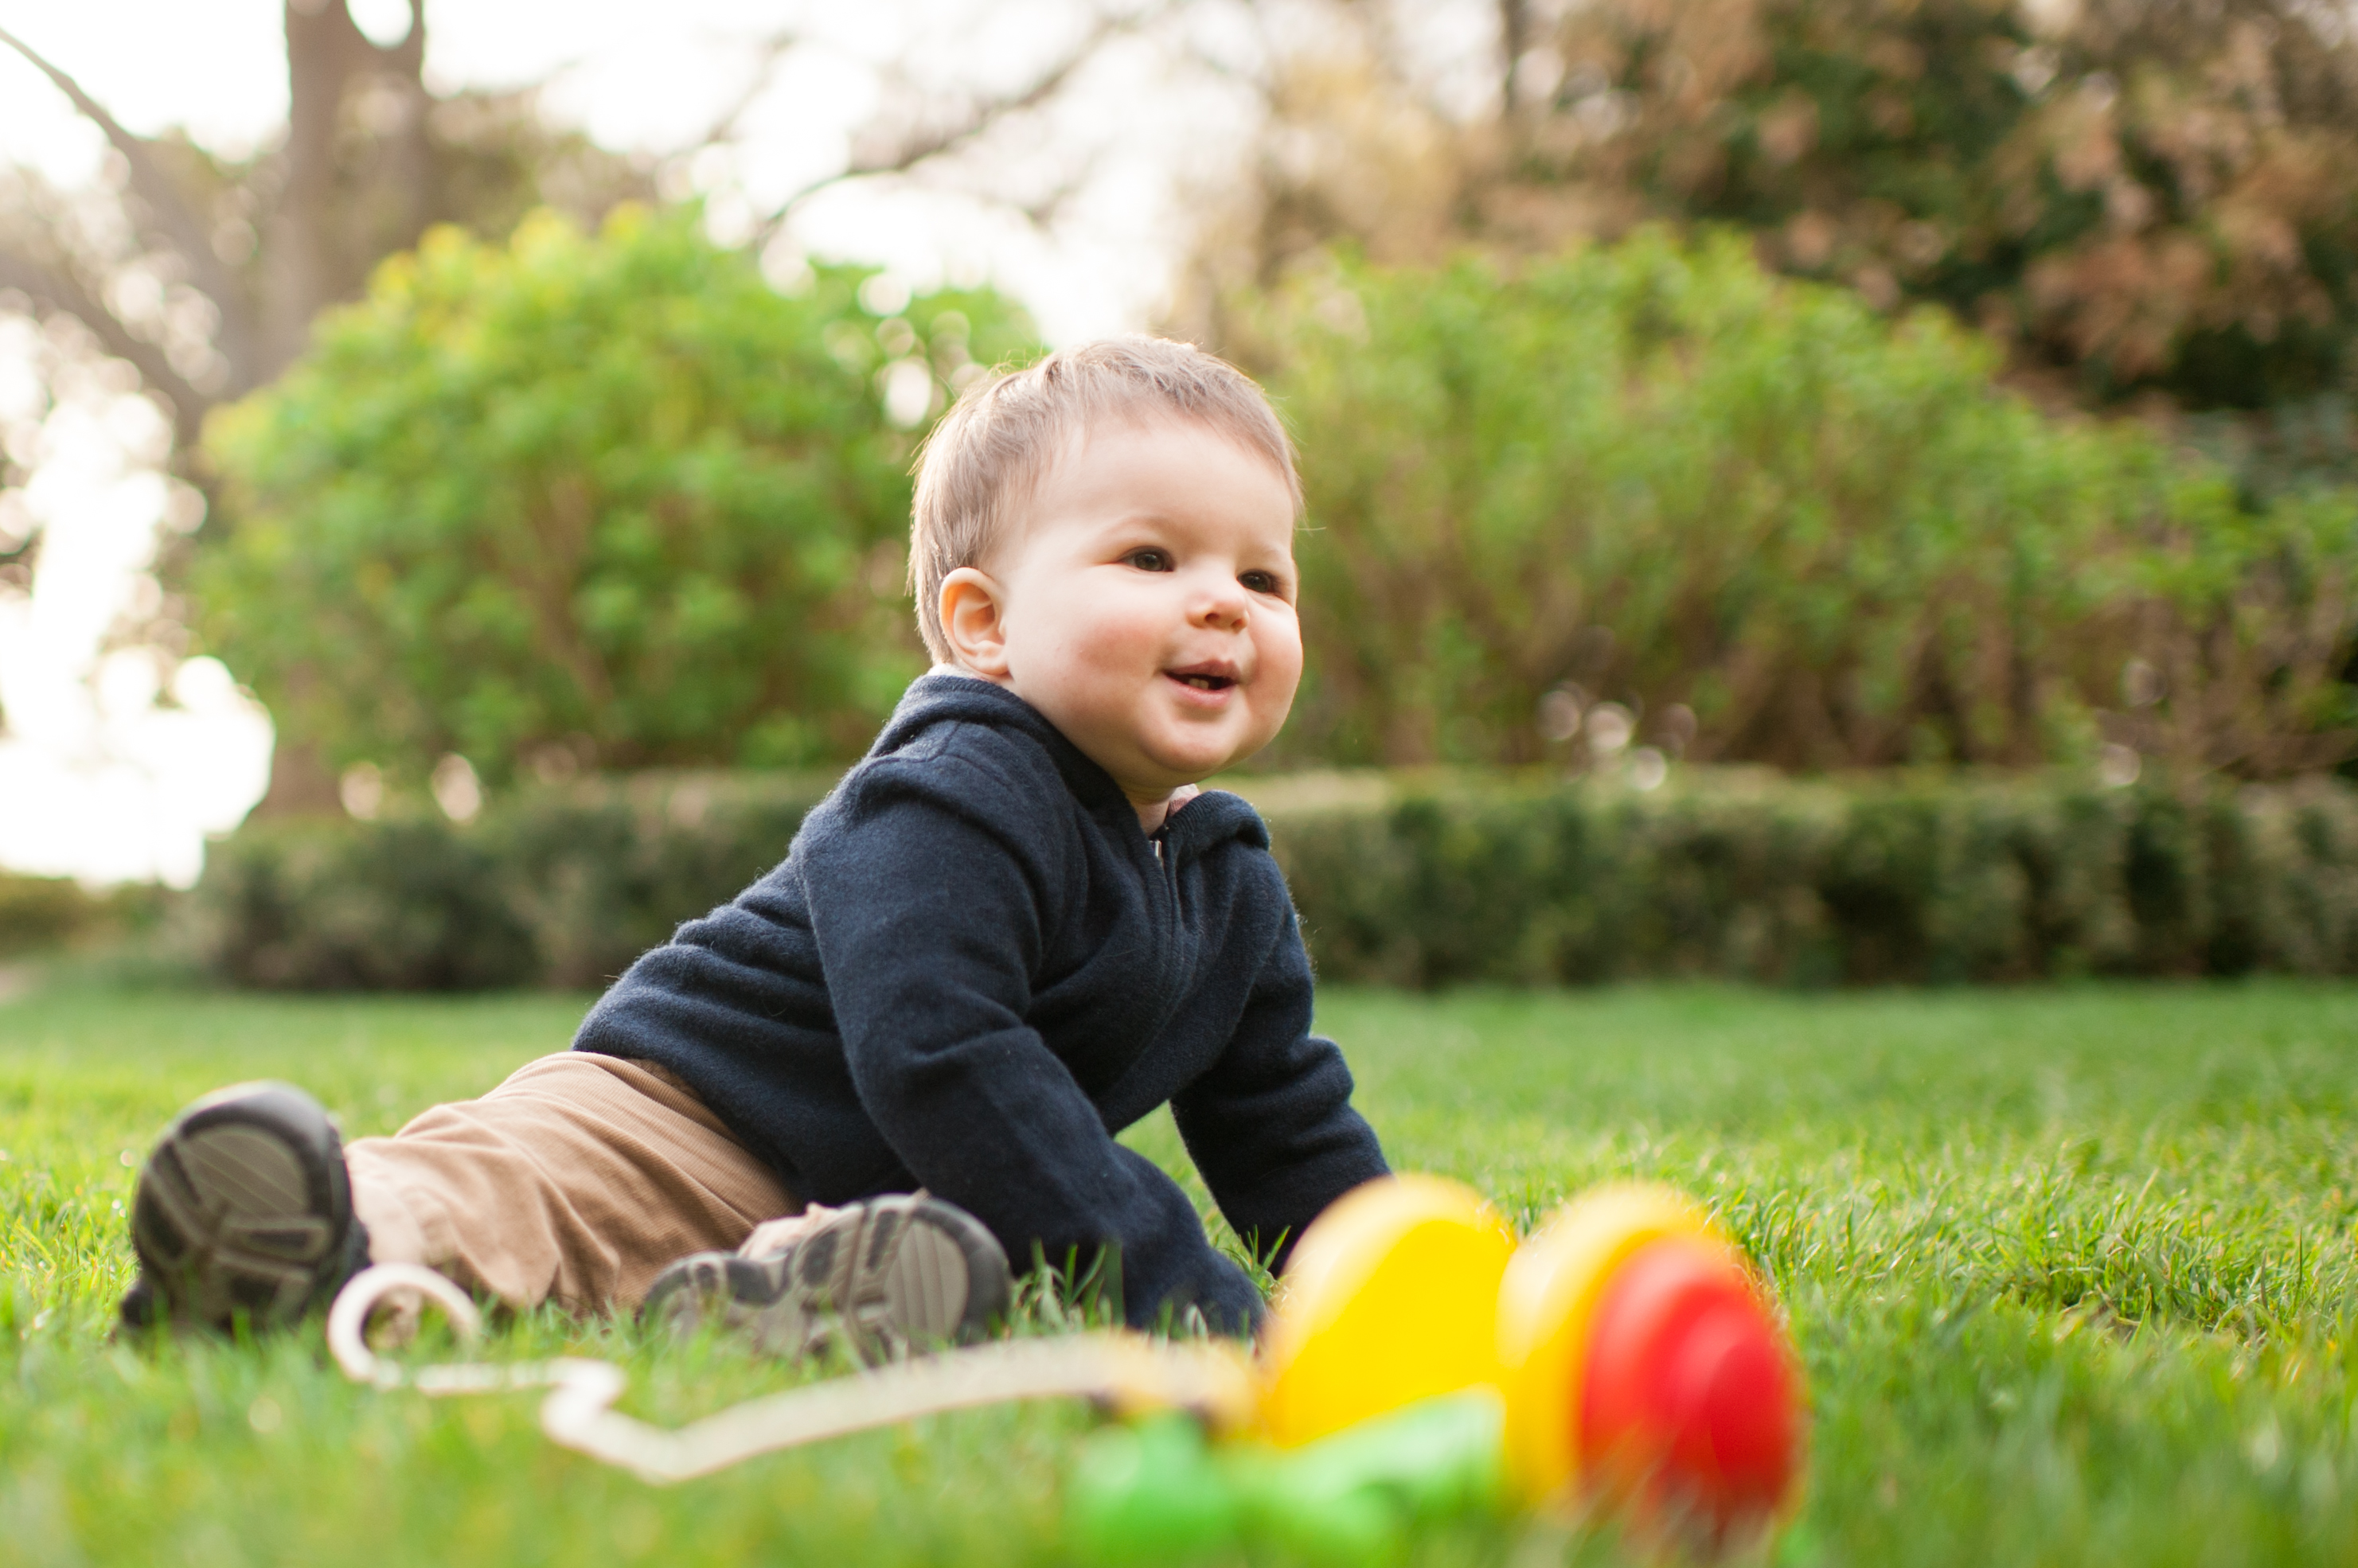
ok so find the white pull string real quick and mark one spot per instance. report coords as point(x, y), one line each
point(1128, 1372)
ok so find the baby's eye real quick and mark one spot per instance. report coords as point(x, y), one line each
point(1261, 582)
point(1150, 561)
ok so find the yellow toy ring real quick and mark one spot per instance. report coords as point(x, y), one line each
point(1392, 1296)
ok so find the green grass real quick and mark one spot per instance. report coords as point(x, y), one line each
point(2071, 1272)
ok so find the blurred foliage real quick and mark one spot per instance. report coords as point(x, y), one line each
point(1904, 878)
point(2129, 194)
point(203, 269)
point(1417, 876)
point(195, 273)
point(2155, 193)
point(557, 885)
point(1774, 527)
point(317, 904)
point(41, 914)
point(610, 502)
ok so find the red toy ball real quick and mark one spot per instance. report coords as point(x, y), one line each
point(1688, 1402)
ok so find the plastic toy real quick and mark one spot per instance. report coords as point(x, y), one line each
point(1629, 1362)
point(1391, 1297)
point(1418, 1365)
point(1640, 1360)
point(1159, 1491)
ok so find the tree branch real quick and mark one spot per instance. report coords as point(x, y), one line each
point(724, 124)
point(190, 236)
point(61, 291)
point(924, 143)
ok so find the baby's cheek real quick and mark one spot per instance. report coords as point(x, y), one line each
point(1128, 642)
point(1281, 654)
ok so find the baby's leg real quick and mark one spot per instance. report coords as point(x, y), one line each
point(575, 1180)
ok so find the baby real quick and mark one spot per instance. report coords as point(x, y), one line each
point(1014, 928)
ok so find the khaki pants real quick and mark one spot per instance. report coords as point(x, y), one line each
point(574, 1182)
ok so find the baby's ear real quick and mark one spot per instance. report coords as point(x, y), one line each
point(974, 621)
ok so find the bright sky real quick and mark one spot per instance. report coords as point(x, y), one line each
point(96, 779)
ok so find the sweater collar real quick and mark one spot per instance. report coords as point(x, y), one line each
point(939, 696)
point(1212, 818)
point(942, 697)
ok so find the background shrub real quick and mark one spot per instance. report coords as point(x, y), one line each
point(617, 502)
point(558, 885)
point(402, 905)
point(1428, 880)
point(600, 872)
point(1775, 525)
point(1407, 878)
point(573, 502)
point(41, 913)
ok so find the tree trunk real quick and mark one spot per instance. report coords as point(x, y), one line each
point(1514, 38)
point(329, 228)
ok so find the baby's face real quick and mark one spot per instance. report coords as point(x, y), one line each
point(1147, 606)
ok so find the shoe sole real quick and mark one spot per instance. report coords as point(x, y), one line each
point(244, 1206)
point(888, 1275)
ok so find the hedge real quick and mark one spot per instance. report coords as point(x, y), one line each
point(1419, 878)
point(1431, 882)
point(559, 886)
point(41, 915)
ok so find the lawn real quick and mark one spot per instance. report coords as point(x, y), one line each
point(2072, 1271)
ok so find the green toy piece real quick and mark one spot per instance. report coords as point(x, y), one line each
point(1158, 1492)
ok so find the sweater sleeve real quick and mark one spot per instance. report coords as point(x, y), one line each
point(928, 904)
point(1271, 1126)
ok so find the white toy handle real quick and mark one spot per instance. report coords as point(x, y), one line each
point(1124, 1369)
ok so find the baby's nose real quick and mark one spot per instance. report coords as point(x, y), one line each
point(1224, 606)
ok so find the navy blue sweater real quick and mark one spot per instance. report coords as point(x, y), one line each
point(973, 968)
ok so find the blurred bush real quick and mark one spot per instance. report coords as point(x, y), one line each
point(1445, 877)
point(1415, 878)
point(41, 914)
point(600, 872)
point(2156, 198)
point(403, 904)
point(1772, 526)
point(587, 502)
point(559, 886)
point(2141, 193)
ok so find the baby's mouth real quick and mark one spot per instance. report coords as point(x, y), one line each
point(1203, 677)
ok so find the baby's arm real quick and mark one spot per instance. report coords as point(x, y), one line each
point(930, 916)
point(1271, 1127)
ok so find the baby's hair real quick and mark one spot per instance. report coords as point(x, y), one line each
point(986, 457)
